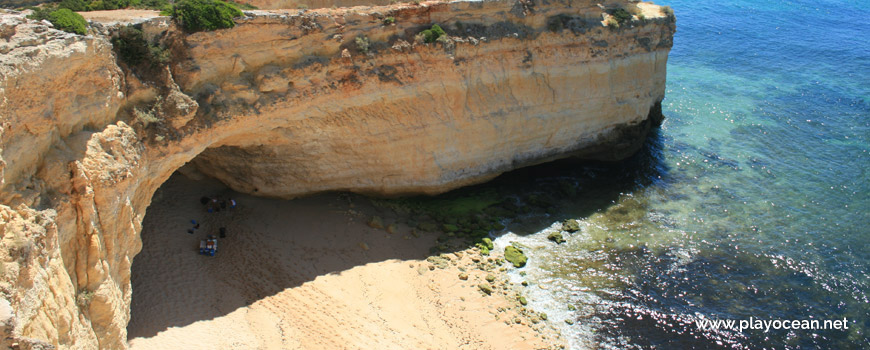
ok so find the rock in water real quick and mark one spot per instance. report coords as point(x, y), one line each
point(376, 222)
point(515, 256)
point(556, 237)
point(570, 225)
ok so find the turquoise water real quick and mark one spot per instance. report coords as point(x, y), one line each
point(753, 200)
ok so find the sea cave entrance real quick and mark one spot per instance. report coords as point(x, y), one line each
point(272, 248)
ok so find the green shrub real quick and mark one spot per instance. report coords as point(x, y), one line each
point(101, 5)
point(41, 13)
point(68, 21)
point(242, 6)
point(432, 34)
point(668, 11)
point(621, 15)
point(131, 45)
point(74, 5)
point(200, 15)
point(389, 20)
point(84, 297)
point(155, 4)
point(133, 49)
point(362, 43)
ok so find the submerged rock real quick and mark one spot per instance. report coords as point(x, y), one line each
point(376, 222)
point(392, 228)
point(556, 237)
point(570, 225)
point(515, 256)
point(427, 226)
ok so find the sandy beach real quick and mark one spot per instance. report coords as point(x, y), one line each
point(308, 274)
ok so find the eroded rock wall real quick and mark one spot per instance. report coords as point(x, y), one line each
point(286, 104)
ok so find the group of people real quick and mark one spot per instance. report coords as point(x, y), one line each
point(214, 205)
point(208, 246)
point(194, 228)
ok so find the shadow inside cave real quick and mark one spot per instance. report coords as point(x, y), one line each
point(274, 245)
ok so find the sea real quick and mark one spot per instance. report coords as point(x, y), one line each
point(751, 202)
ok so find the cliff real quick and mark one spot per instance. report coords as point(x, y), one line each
point(288, 103)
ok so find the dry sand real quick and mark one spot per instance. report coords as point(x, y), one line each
point(119, 16)
point(305, 274)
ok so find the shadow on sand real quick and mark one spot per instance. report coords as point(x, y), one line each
point(274, 245)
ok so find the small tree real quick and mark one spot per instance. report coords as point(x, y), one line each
point(621, 15)
point(205, 15)
point(363, 44)
point(68, 21)
point(131, 45)
point(134, 49)
point(432, 34)
point(668, 11)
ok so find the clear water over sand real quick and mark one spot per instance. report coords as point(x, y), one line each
point(751, 201)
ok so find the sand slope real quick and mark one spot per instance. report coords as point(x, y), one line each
point(295, 275)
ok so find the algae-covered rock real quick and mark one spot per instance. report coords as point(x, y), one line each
point(488, 243)
point(571, 307)
point(463, 276)
point(515, 256)
point(543, 316)
point(486, 288)
point(376, 222)
point(522, 300)
point(485, 246)
point(556, 237)
point(490, 278)
point(427, 226)
point(450, 228)
point(570, 225)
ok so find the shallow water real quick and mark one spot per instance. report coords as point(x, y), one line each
point(751, 201)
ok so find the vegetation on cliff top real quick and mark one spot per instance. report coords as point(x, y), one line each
point(133, 49)
point(205, 15)
point(102, 5)
point(62, 19)
point(432, 34)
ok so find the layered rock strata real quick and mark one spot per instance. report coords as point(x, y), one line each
point(285, 104)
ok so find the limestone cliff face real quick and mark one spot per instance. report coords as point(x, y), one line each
point(285, 104)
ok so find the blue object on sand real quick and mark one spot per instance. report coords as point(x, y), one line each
point(193, 222)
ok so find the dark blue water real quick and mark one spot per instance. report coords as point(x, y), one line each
point(753, 200)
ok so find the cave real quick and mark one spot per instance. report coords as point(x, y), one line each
point(273, 248)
